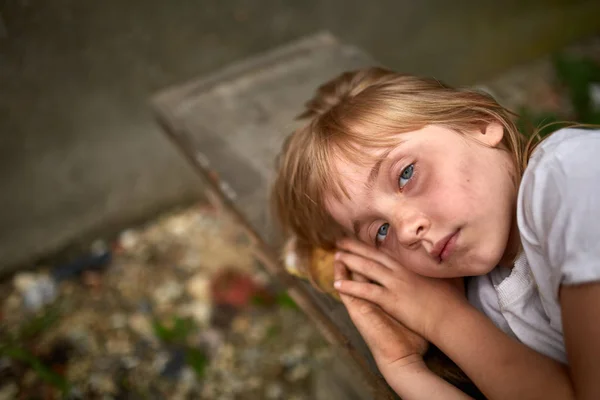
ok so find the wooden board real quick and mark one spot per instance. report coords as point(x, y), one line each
point(231, 126)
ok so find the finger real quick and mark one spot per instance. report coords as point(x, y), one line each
point(361, 290)
point(358, 277)
point(370, 269)
point(354, 246)
point(340, 271)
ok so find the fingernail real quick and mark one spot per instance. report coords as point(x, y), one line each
point(337, 284)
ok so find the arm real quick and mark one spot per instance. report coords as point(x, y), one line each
point(397, 350)
point(502, 367)
point(499, 365)
point(416, 381)
point(581, 321)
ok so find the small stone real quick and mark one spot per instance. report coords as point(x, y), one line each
point(297, 373)
point(294, 355)
point(83, 340)
point(24, 281)
point(9, 391)
point(140, 324)
point(211, 339)
point(262, 278)
point(201, 312)
point(187, 376)
point(29, 378)
point(274, 391)
point(130, 362)
point(209, 391)
point(119, 345)
point(102, 383)
point(191, 259)
point(257, 333)
point(254, 383)
point(199, 287)
point(251, 356)
point(99, 247)
point(178, 225)
point(299, 351)
point(233, 383)
point(118, 321)
point(160, 360)
point(37, 290)
point(78, 369)
point(168, 292)
point(240, 325)
point(128, 240)
point(187, 379)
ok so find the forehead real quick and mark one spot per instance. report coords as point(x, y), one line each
point(351, 189)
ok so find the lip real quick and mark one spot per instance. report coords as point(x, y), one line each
point(445, 247)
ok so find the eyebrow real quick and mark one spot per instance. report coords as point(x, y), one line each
point(375, 171)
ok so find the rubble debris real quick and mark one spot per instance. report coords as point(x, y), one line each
point(174, 309)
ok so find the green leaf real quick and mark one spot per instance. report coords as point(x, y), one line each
point(182, 327)
point(39, 323)
point(197, 360)
point(593, 118)
point(42, 370)
point(577, 74)
point(284, 300)
point(543, 123)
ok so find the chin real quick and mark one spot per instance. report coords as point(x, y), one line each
point(486, 264)
point(474, 266)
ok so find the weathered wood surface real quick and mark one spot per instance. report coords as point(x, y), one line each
point(231, 126)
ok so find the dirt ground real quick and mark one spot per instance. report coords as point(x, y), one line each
point(176, 309)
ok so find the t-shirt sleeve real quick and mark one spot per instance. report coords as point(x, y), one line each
point(567, 216)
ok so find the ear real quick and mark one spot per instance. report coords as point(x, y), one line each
point(491, 134)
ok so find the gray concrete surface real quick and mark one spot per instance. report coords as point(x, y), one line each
point(79, 151)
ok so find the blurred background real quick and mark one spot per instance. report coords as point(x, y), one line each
point(80, 152)
point(82, 157)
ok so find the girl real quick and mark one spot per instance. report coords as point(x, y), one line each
point(413, 180)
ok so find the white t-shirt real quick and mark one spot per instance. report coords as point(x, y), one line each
point(558, 213)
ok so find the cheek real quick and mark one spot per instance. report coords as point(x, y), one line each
point(446, 198)
point(417, 261)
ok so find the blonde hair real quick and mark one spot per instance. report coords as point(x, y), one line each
point(366, 109)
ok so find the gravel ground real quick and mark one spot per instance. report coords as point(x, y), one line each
point(181, 310)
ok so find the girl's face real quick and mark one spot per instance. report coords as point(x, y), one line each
point(441, 204)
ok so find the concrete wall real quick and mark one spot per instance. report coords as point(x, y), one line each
point(79, 152)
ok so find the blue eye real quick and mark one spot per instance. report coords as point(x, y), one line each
point(382, 233)
point(405, 176)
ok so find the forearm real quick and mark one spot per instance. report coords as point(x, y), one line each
point(416, 381)
point(499, 365)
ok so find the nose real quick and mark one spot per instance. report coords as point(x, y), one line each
point(411, 227)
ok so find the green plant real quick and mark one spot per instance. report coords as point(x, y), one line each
point(576, 75)
point(14, 346)
point(177, 335)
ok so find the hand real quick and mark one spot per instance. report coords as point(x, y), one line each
point(391, 344)
point(417, 302)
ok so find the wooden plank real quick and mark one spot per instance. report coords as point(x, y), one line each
point(231, 126)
